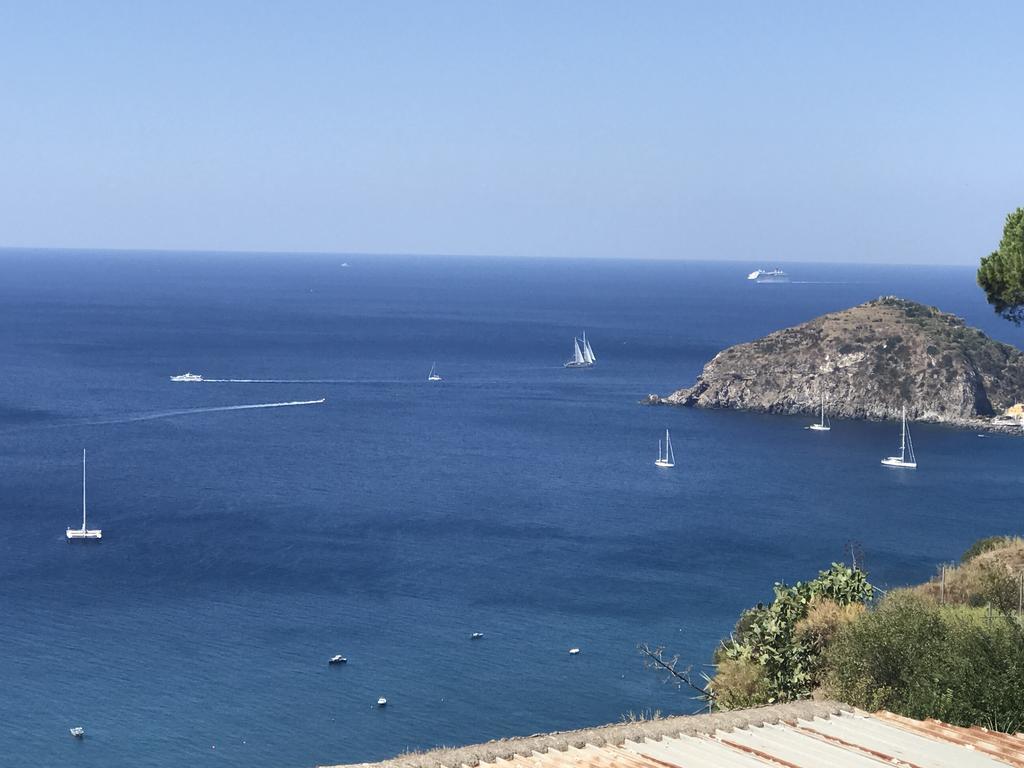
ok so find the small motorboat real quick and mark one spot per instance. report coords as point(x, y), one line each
point(477, 636)
point(339, 659)
point(382, 702)
point(78, 732)
point(574, 651)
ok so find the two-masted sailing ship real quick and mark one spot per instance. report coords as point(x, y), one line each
point(583, 355)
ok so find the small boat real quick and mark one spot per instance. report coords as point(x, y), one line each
point(84, 532)
point(574, 651)
point(187, 377)
point(78, 731)
point(382, 702)
point(906, 459)
point(433, 375)
point(667, 460)
point(477, 636)
point(582, 356)
point(339, 659)
point(823, 425)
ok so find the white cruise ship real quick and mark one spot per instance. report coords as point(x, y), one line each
point(764, 276)
point(187, 377)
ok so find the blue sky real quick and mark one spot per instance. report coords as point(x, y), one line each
point(871, 131)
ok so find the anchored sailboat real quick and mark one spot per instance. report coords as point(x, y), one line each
point(583, 356)
point(822, 426)
point(668, 459)
point(906, 459)
point(84, 532)
point(434, 375)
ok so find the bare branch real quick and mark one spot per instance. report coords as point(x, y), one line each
point(654, 658)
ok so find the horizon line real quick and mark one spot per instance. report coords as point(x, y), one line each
point(397, 254)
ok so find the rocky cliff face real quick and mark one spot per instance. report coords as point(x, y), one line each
point(869, 361)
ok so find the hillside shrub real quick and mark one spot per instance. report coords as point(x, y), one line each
point(919, 659)
point(774, 652)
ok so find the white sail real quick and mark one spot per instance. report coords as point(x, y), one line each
point(668, 457)
point(588, 353)
point(577, 356)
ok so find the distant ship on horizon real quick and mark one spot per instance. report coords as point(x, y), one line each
point(187, 377)
point(763, 276)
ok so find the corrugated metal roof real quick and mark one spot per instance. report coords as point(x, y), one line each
point(814, 736)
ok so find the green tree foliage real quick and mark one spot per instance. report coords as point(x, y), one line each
point(920, 659)
point(768, 659)
point(1001, 274)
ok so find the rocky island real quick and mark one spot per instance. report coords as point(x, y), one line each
point(868, 361)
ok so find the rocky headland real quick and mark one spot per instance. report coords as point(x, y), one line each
point(869, 361)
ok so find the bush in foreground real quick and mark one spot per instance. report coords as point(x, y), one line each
point(917, 658)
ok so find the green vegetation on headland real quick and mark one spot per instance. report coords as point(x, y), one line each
point(951, 649)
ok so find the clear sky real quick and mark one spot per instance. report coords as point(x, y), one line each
point(764, 131)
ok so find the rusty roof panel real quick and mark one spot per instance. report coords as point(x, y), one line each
point(806, 738)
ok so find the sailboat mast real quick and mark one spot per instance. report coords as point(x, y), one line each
point(903, 436)
point(83, 489)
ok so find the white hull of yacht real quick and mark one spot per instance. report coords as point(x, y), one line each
point(820, 428)
point(896, 461)
point(84, 533)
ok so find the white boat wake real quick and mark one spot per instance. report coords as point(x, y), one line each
point(210, 409)
point(297, 381)
point(161, 415)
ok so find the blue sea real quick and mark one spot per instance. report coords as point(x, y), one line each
point(244, 547)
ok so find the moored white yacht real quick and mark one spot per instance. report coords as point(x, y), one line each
point(84, 532)
point(78, 732)
point(823, 425)
point(906, 459)
point(583, 354)
point(187, 377)
point(667, 460)
point(338, 659)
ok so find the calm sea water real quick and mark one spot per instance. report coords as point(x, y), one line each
point(242, 548)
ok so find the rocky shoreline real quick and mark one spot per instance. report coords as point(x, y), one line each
point(868, 362)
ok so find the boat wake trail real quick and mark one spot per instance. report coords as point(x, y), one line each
point(282, 381)
point(210, 409)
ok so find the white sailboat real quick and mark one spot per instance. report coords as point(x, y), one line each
point(821, 426)
point(84, 532)
point(906, 459)
point(433, 375)
point(669, 458)
point(583, 356)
